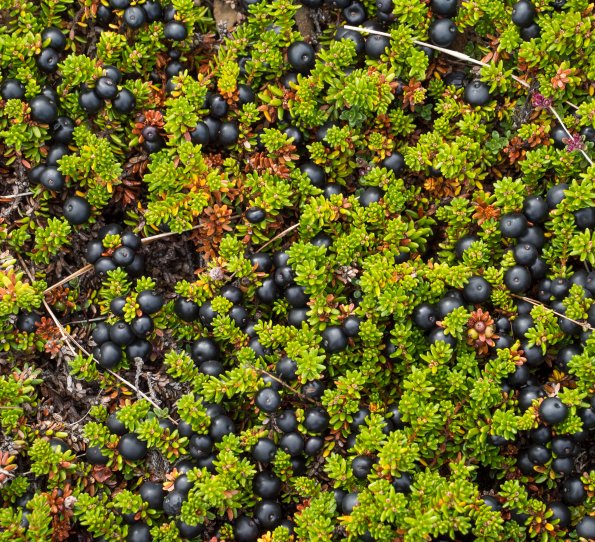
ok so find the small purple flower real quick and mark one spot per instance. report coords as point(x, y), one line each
point(574, 143)
point(540, 101)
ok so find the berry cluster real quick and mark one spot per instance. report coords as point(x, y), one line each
point(112, 339)
point(115, 248)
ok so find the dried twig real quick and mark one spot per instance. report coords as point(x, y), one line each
point(71, 343)
point(278, 236)
point(467, 58)
point(88, 267)
point(14, 196)
point(584, 325)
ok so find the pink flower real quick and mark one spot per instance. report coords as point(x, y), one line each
point(540, 101)
point(574, 143)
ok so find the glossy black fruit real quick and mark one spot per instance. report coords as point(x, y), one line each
point(563, 446)
point(153, 10)
point(189, 531)
point(123, 256)
point(268, 400)
point(139, 348)
point(359, 419)
point(139, 532)
point(228, 134)
point(106, 88)
point(245, 529)
point(186, 309)
point(76, 210)
point(463, 244)
point(12, 89)
point(131, 447)
point(402, 482)
point(376, 46)
point(525, 254)
point(142, 326)
point(284, 276)
point(517, 279)
point(52, 179)
point(48, 60)
point(149, 301)
point(334, 339)
point(563, 466)
point(268, 514)
point(89, 101)
point(315, 173)
point(204, 349)
point(513, 225)
point(56, 152)
point(175, 31)
point(443, 32)
point(438, 335)
point(351, 326)
point(134, 17)
point(425, 316)
point(286, 369)
point(121, 333)
point(254, 215)
point(183, 484)
point(349, 502)
point(292, 443)
point(585, 218)
point(559, 136)
point(553, 411)
point(100, 333)
point(520, 376)
point(477, 93)
point(395, 162)
point(296, 296)
point(103, 16)
point(530, 32)
point(361, 466)
point(585, 528)
point(316, 420)
point(115, 425)
point(95, 456)
point(200, 446)
point(110, 355)
point(220, 426)
point(152, 493)
point(332, 189)
point(124, 102)
point(218, 106)
point(354, 14)
point(446, 8)
point(523, 13)
point(266, 485)
point(313, 389)
point(477, 290)
point(264, 450)
point(557, 192)
point(245, 94)
point(561, 513)
point(43, 110)
point(573, 492)
point(448, 304)
point(34, 174)
point(521, 324)
point(287, 421)
point(172, 503)
point(535, 209)
point(527, 395)
point(370, 195)
point(301, 56)
point(200, 135)
point(539, 454)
